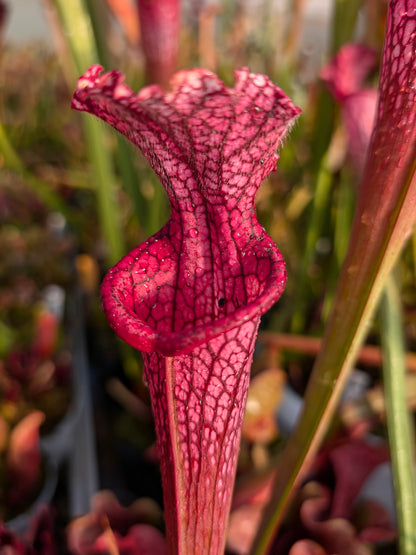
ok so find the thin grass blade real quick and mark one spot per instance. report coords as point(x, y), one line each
point(401, 434)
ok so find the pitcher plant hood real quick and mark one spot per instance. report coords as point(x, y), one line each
point(212, 266)
point(190, 297)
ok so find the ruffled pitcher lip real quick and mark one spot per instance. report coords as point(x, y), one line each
point(97, 79)
point(143, 337)
point(259, 117)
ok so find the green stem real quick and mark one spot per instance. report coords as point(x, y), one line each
point(317, 218)
point(399, 426)
point(380, 229)
point(343, 217)
point(124, 160)
point(106, 190)
point(79, 33)
point(130, 181)
point(157, 208)
point(78, 29)
point(99, 26)
point(344, 20)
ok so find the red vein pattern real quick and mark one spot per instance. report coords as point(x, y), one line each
point(392, 149)
point(190, 298)
point(398, 75)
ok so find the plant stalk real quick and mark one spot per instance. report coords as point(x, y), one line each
point(400, 430)
point(384, 220)
point(78, 29)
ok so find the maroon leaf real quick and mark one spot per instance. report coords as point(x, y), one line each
point(111, 527)
point(192, 295)
point(11, 543)
point(336, 535)
point(41, 532)
point(352, 462)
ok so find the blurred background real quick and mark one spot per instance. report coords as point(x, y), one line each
point(74, 197)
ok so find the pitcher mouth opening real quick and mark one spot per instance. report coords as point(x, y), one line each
point(130, 326)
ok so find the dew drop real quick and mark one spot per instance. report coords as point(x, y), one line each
point(193, 233)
